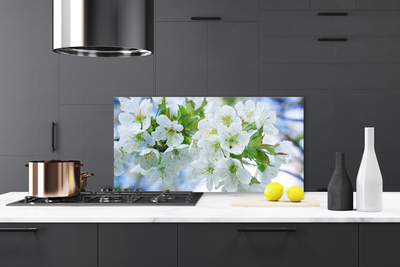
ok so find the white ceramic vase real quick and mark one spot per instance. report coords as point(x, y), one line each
point(369, 177)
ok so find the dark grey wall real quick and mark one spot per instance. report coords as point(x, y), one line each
point(346, 85)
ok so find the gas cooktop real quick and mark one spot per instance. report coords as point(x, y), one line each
point(117, 197)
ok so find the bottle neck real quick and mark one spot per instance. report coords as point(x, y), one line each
point(340, 159)
point(369, 138)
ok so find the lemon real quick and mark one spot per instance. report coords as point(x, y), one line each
point(273, 191)
point(295, 194)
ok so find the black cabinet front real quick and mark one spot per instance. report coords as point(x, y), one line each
point(138, 245)
point(268, 245)
point(48, 245)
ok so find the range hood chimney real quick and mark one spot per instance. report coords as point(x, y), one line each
point(103, 28)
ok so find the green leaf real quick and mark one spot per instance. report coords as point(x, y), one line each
point(189, 106)
point(254, 181)
point(256, 139)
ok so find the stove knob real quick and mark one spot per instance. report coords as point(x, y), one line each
point(138, 190)
point(127, 190)
point(105, 189)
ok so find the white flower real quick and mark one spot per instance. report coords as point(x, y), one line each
point(231, 172)
point(266, 119)
point(147, 158)
point(171, 102)
point(129, 103)
point(178, 157)
point(267, 176)
point(194, 149)
point(120, 158)
point(210, 109)
point(136, 114)
point(207, 127)
point(282, 148)
point(249, 112)
point(250, 188)
point(161, 173)
point(226, 116)
point(255, 188)
point(136, 140)
point(233, 139)
point(211, 149)
point(198, 101)
point(169, 131)
point(204, 171)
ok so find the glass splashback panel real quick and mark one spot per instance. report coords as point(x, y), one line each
point(219, 144)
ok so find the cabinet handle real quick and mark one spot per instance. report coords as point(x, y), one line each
point(18, 229)
point(266, 229)
point(332, 39)
point(333, 13)
point(206, 18)
point(52, 136)
point(322, 189)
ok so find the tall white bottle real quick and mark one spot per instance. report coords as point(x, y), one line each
point(369, 177)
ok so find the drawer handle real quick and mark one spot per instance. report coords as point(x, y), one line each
point(322, 189)
point(333, 13)
point(52, 136)
point(332, 39)
point(18, 229)
point(266, 229)
point(206, 18)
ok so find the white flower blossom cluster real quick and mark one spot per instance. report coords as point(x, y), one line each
point(215, 143)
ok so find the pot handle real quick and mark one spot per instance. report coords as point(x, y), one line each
point(86, 175)
point(78, 165)
point(26, 165)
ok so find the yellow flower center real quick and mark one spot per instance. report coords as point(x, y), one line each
point(171, 131)
point(227, 120)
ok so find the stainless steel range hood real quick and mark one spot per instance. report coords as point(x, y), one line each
point(103, 28)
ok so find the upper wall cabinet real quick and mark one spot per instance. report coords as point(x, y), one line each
point(206, 48)
point(378, 4)
point(28, 75)
point(284, 4)
point(333, 4)
point(307, 4)
point(313, 23)
point(228, 10)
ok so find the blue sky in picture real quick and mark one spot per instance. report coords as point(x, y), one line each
point(218, 144)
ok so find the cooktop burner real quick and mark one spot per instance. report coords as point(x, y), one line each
point(108, 196)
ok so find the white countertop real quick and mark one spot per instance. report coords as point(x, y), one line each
point(211, 208)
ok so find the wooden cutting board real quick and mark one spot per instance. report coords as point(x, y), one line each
point(263, 202)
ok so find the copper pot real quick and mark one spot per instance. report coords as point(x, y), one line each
point(55, 178)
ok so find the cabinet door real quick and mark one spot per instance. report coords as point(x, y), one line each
point(138, 245)
point(379, 244)
point(48, 245)
point(228, 10)
point(86, 135)
point(28, 75)
point(232, 58)
point(267, 245)
point(181, 58)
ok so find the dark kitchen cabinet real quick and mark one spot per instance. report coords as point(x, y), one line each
point(207, 57)
point(138, 244)
point(87, 135)
point(48, 245)
point(379, 244)
point(268, 244)
point(28, 89)
point(181, 59)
